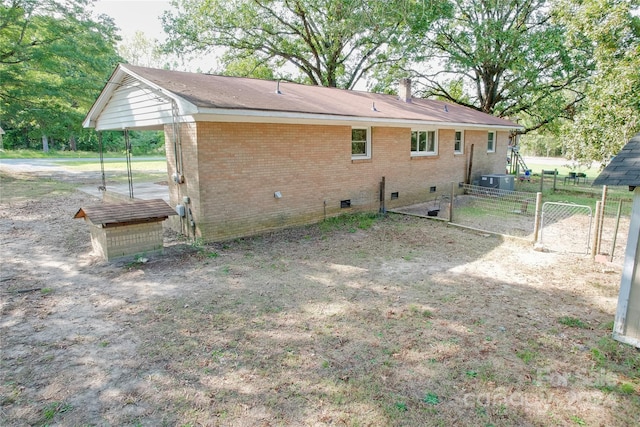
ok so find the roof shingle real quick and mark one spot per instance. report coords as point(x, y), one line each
point(624, 169)
point(235, 93)
point(123, 213)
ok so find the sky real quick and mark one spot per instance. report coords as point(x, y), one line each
point(137, 15)
point(144, 15)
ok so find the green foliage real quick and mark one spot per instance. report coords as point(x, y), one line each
point(544, 144)
point(52, 409)
point(627, 388)
point(362, 221)
point(401, 406)
point(454, 89)
point(140, 50)
point(431, 399)
point(332, 43)
point(613, 355)
point(573, 322)
point(610, 112)
point(527, 355)
point(248, 66)
point(577, 420)
point(54, 60)
point(507, 58)
point(142, 142)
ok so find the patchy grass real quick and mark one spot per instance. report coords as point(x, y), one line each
point(573, 322)
point(53, 154)
point(139, 166)
point(405, 349)
point(564, 169)
point(583, 194)
point(52, 409)
point(349, 222)
point(612, 355)
point(21, 188)
point(404, 322)
point(62, 155)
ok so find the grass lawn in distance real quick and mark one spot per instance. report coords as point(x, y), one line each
point(564, 166)
point(53, 154)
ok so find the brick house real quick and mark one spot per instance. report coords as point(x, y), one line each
point(246, 156)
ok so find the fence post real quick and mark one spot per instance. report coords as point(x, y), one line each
point(594, 246)
point(555, 179)
point(604, 206)
point(541, 180)
point(451, 201)
point(382, 210)
point(615, 232)
point(536, 224)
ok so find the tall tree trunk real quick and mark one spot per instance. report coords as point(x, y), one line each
point(45, 143)
point(72, 143)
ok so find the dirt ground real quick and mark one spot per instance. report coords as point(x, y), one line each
point(361, 322)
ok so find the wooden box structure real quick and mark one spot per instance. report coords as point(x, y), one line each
point(125, 229)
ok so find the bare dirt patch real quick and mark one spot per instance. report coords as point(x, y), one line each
point(392, 321)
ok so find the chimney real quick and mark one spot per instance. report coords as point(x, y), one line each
point(404, 90)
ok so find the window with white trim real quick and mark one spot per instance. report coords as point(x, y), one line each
point(458, 142)
point(491, 142)
point(360, 143)
point(424, 143)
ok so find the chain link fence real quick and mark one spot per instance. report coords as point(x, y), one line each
point(566, 227)
point(614, 227)
point(558, 226)
point(495, 210)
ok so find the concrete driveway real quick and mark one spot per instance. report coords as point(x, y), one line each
point(57, 169)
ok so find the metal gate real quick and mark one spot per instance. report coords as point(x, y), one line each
point(565, 227)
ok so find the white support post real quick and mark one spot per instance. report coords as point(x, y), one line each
point(626, 327)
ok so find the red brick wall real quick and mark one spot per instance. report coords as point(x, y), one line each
point(484, 162)
point(232, 171)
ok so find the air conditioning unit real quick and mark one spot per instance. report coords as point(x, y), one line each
point(500, 181)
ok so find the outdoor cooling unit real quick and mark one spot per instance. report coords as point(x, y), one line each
point(500, 181)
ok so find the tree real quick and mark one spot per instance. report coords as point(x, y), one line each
point(248, 67)
point(511, 57)
point(610, 113)
point(333, 43)
point(141, 50)
point(54, 60)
